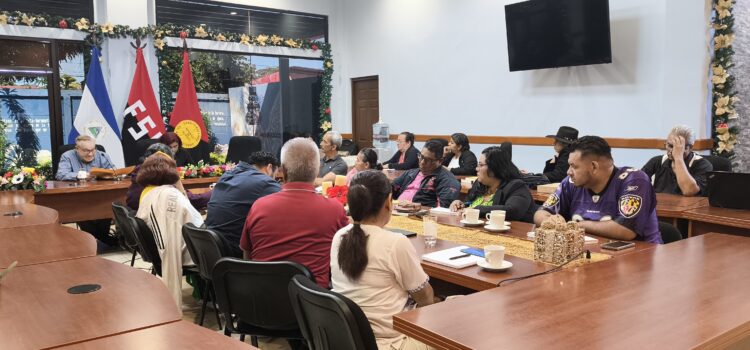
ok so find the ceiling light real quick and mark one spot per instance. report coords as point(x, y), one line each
point(233, 13)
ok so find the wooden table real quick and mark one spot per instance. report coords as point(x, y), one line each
point(175, 335)
point(691, 293)
point(475, 278)
point(38, 244)
point(26, 214)
point(713, 219)
point(92, 200)
point(37, 312)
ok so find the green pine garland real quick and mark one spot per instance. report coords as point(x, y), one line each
point(723, 114)
point(95, 32)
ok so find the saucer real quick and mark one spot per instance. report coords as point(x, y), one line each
point(497, 229)
point(467, 223)
point(485, 266)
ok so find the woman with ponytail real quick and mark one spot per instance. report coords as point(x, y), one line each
point(377, 269)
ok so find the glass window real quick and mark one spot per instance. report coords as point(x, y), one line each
point(22, 53)
point(62, 8)
point(24, 107)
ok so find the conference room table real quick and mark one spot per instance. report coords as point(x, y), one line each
point(477, 279)
point(26, 214)
point(38, 312)
point(37, 244)
point(175, 335)
point(690, 293)
point(91, 200)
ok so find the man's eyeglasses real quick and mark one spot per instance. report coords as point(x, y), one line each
point(87, 150)
point(422, 158)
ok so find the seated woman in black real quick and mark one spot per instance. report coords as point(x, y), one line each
point(181, 156)
point(458, 159)
point(499, 187)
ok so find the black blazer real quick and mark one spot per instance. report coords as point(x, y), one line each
point(467, 163)
point(513, 196)
point(558, 170)
point(410, 161)
point(182, 157)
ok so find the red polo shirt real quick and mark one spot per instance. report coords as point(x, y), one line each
point(295, 224)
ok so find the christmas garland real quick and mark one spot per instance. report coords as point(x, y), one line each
point(95, 32)
point(723, 114)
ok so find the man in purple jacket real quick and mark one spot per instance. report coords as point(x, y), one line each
point(608, 201)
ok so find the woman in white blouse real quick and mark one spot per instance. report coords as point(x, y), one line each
point(378, 269)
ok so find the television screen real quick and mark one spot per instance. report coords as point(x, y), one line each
point(557, 33)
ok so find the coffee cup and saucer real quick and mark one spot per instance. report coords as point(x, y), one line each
point(494, 259)
point(470, 217)
point(496, 221)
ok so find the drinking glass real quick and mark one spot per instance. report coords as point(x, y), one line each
point(430, 230)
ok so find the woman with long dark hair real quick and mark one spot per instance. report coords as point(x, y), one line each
point(367, 159)
point(376, 268)
point(499, 187)
point(458, 158)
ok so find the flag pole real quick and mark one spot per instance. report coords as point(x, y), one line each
point(137, 44)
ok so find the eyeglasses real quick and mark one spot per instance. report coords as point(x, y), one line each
point(425, 159)
point(87, 150)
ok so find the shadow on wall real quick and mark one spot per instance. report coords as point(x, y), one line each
point(621, 73)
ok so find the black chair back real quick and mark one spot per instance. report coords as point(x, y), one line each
point(140, 148)
point(329, 320)
point(507, 146)
point(256, 293)
point(64, 148)
point(719, 163)
point(147, 243)
point(241, 147)
point(125, 225)
point(669, 233)
point(349, 146)
point(205, 247)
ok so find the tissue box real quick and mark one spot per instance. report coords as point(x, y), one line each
point(548, 188)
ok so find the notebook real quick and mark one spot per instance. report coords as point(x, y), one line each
point(443, 257)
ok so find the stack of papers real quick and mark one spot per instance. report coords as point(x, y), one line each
point(443, 257)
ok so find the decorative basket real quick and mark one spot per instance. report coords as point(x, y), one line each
point(557, 241)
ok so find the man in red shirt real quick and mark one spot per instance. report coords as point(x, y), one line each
point(295, 224)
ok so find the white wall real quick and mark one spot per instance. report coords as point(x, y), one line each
point(443, 68)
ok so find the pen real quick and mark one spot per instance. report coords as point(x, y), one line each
point(459, 256)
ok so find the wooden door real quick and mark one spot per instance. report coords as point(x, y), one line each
point(365, 109)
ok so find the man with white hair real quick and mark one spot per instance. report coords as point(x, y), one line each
point(296, 223)
point(331, 164)
point(84, 157)
point(680, 170)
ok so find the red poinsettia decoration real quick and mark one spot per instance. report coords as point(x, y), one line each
point(338, 193)
point(183, 35)
point(327, 111)
point(63, 24)
point(314, 47)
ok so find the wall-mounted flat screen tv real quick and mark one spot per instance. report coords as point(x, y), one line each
point(557, 33)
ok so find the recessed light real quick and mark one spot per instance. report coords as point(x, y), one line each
point(233, 13)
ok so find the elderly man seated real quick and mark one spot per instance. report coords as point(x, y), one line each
point(331, 164)
point(680, 170)
point(431, 184)
point(84, 157)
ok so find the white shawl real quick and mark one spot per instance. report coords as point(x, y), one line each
point(165, 209)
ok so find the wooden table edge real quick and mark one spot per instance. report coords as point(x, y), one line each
point(78, 341)
point(425, 336)
point(716, 219)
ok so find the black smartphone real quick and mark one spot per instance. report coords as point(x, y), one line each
point(618, 245)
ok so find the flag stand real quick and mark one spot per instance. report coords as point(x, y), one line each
point(137, 44)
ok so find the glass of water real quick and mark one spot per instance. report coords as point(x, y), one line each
point(430, 230)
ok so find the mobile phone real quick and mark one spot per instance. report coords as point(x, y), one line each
point(473, 251)
point(618, 245)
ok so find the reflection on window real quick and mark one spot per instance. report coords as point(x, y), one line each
point(22, 53)
point(72, 75)
point(24, 108)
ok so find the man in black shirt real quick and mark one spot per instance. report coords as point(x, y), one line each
point(680, 171)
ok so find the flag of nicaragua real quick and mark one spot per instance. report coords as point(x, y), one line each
point(95, 116)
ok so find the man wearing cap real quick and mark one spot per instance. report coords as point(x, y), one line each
point(555, 169)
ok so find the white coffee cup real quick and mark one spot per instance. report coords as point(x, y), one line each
point(82, 175)
point(496, 218)
point(494, 255)
point(470, 215)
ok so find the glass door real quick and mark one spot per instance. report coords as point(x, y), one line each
point(25, 110)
